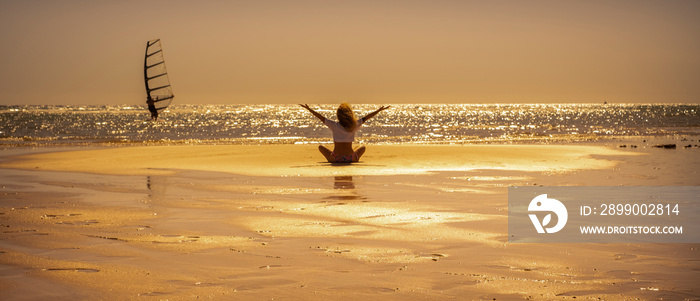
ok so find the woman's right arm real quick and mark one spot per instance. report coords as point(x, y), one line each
point(370, 115)
point(319, 116)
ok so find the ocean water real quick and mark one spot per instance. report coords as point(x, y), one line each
point(404, 123)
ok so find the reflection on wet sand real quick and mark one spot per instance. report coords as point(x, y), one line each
point(344, 182)
point(157, 186)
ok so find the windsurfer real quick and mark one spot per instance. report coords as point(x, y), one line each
point(152, 107)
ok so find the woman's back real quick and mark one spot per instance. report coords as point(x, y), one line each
point(340, 134)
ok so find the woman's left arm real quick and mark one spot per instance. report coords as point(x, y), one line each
point(319, 116)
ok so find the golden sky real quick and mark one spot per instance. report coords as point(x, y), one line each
point(227, 52)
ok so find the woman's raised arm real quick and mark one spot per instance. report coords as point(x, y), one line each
point(319, 116)
point(370, 115)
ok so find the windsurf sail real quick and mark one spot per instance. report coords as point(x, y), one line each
point(155, 76)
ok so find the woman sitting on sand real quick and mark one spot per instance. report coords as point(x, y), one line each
point(343, 134)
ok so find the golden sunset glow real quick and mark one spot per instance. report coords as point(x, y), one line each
point(226, 52)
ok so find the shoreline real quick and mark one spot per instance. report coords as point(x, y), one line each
point(565, 139)
point(304, 160)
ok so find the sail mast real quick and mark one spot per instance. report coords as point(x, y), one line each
point(145, 69)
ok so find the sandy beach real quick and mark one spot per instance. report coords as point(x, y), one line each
point(257, 222)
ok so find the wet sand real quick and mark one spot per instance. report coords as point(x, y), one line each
point(304, 160)
point(246, 222)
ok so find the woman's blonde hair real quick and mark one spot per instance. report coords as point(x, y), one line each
point(346, 117)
